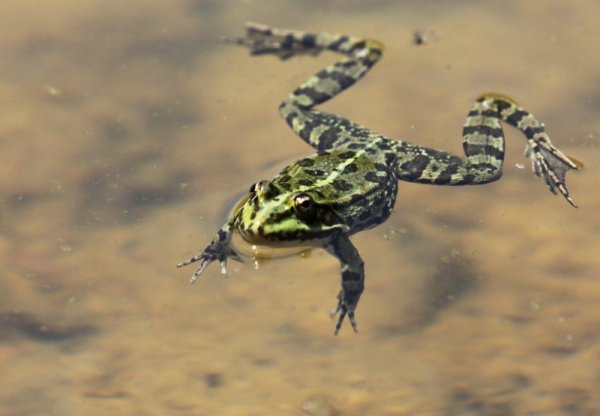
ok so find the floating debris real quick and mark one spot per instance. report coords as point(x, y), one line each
point(423, 37)
point(318, 405)
point(52, 90)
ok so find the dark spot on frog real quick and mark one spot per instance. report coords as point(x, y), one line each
point(306, 163)
point(351, 168)
point(365, 215)
point(285, 186)
point(384, 145)
point(305, 182)
point(390, 157)
point(372, 177)
point(341, 185)
point(315, 172)
point(327, 139)
point(290, 117)
point(371, 150)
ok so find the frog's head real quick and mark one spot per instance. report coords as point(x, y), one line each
point(272, 216)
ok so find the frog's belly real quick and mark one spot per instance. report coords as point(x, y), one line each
point(269, 250)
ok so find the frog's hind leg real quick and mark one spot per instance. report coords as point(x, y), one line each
point(321, 130)
point(483, 141)
point(285, 43)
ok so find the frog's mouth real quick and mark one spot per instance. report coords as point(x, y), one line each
point(254, 236)
point(281, 239)
point(291, 238)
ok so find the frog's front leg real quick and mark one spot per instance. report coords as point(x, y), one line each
point(219, 249)
point(353, 279)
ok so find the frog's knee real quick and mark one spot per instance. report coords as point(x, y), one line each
point(494, 96)
point(374, 44)
point(369, 45)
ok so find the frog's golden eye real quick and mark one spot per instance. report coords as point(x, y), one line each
point(304, 205)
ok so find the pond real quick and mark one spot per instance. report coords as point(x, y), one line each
point(128, 132)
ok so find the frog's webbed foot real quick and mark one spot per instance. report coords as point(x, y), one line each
point(550, 164)
point(219, 249)
point(342, 309)
point(353, 278)
point(262, 39)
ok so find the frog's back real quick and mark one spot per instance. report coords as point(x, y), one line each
point(355, 181)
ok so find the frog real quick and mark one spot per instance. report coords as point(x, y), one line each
point(350, 182)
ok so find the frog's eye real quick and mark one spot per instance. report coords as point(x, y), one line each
point(259, 187)
point(304, 205)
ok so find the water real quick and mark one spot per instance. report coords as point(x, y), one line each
point(127, 130)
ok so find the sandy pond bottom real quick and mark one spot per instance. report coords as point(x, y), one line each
point(127, 131)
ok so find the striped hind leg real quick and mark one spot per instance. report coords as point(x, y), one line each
point(321, 130)
point(483, 144)
point(483, 141)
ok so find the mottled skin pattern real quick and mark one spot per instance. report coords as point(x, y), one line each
point(350, 183)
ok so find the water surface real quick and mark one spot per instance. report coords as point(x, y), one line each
point(128, 129)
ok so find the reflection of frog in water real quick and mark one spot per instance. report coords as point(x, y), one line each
point(350, 183)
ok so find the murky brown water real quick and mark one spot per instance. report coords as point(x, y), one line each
point(127, 129)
